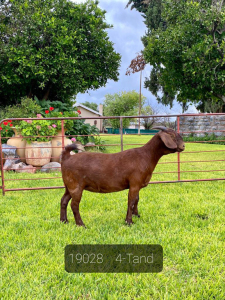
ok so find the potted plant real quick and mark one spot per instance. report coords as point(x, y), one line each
point(6, 129)
point(68, 125)
point(26, 108)
point(16, 140)
point(38, 135)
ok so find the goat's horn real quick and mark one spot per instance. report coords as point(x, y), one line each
point(161, 128)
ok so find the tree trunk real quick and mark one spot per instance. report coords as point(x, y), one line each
point(47, 91)
point(30, 94)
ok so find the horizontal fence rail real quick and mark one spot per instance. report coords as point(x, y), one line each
point(203, 159)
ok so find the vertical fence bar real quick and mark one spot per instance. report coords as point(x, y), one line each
point(139, 110)
point(178, 154)
point(121, 133)
point(1, 162)
point(63, 133)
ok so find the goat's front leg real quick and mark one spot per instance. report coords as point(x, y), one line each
point(64, 202)
point(76, 197)
point(133, 197)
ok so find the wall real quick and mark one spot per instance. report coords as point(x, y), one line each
point(85, 113)
point(131, 131)
point(203, 123)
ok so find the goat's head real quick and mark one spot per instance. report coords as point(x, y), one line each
point(171, 139)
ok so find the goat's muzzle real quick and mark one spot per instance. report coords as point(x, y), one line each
point(181, 148)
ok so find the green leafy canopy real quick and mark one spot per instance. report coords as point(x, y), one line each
point(53, 49)
point(121, 104)
point(91, 105)
point(185, 45)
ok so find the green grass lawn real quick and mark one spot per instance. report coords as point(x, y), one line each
point(187, 219)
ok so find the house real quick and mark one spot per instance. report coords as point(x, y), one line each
point(134, 125)
point(87, 112)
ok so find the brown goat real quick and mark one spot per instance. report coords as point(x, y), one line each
point(106, 173)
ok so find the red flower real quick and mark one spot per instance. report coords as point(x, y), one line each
point(61, 113)
point(11, 125)
point(51, 108)
point(6, 130)
point(79, 112)
point(9, 121)
point(47, 111)
point(0, 128)
point(5, 123)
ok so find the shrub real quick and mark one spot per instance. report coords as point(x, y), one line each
point(58, 105)
point(6, 130)
point(29, 108)
point(37, 130)
point(212, 138)
point(26, 109)
point(68, 124)
point(81, 128)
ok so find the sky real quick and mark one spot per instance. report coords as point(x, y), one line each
point(128, 28)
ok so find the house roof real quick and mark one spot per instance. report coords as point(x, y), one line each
point(87, 108)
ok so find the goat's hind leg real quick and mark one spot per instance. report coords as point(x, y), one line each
point(135, 208)
point(76, 197)
point(133, 197)
point(64, 202)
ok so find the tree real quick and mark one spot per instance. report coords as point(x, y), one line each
point(151, 11)
point(148, 123)
point(121, 104)
point(137, 65)
point(91, 105)
point(53, 49)
point(186, 49)
point(140, 5)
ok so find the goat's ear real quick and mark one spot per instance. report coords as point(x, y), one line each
point(167, 140)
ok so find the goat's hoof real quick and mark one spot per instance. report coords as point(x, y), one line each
point(137, 215)
point(129, 223)
point(81, 224)
point(64, 221)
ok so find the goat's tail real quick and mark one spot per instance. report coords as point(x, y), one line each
point(66, 153)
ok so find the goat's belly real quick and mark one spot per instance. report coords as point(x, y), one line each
point(106, 189)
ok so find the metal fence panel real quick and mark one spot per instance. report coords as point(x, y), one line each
point(202, 161)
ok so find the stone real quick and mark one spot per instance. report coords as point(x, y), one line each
point(51, 167)
point(218, 133)
point(23, 168)
point(8, 150)
point(190, 119)
point(90, 144)
point(203, 123)
point(80, 148)
point(220, 118)
point(10, 162)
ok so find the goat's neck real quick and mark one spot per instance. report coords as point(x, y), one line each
point(154, 150)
